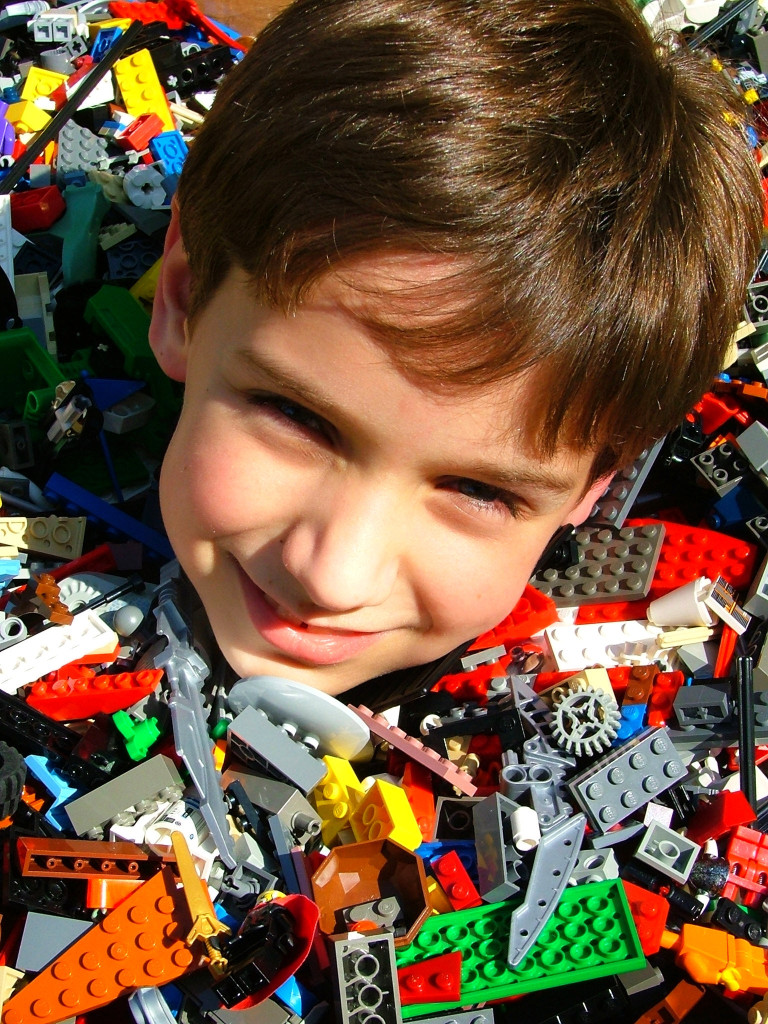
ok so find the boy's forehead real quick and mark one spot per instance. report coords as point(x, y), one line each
point(396, 291)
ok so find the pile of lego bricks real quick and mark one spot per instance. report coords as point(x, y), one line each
point(566, 825)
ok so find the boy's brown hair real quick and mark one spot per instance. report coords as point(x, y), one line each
point(592, 189)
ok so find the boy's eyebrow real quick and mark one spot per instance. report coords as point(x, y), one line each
point(526, 475)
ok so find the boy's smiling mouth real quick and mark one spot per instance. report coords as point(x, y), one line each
point(298, 640)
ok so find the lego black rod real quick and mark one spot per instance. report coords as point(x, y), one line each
point(60, 118)
point(714, 26)
point(746, 699)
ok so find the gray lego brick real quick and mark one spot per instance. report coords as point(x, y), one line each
point(668, 852)
point(255, 742)
point(753, 443)
point(365, 976)
point(721, 467)
point(613, 565)
point(146, 782)
point(497, 859)
point(617, 785)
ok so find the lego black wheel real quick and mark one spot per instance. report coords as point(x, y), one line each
point(13, 771)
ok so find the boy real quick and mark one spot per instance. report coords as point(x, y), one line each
point(437, 269)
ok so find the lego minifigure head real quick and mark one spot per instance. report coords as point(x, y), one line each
point(436, 268)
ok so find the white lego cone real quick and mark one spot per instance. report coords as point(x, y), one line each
point(683, 607)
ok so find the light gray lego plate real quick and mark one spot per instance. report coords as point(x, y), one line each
point(338, 730)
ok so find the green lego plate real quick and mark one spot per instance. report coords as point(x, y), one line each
point(590, 934)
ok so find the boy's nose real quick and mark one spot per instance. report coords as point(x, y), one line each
point(345, 551)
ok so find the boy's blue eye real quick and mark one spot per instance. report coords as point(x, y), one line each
point(486, 494)
point(292, 411)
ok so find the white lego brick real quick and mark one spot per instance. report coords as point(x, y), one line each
point(53, 647)
point(607, 644)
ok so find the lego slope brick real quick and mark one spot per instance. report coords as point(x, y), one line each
point(590, 935)
point(142, 942)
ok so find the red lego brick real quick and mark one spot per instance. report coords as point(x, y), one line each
point(686, 553)
point(36, 209)
point(715, 411)
point(530, 615)
point(437, 980)
point(465, 686)
point(747, 853)
point(417, 783)
point(73, 693)
point(718, 815)
point(662, 698)
point(456, 883)
point(649, 912)
point(140, 132)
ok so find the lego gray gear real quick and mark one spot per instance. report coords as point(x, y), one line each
point(365, 977)
point(498, 862)
point(753, 443)
point(553, 863)
point(721, 467)
point(586, 722)
point(627, 778)
point(613, 565)
point(79, 150)
point(667, 851)
point(614, 504)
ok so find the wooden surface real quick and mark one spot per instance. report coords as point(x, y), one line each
point(245, 16)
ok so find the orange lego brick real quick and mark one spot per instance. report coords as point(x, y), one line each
point(40, 857)
point(417, 783)
point(139, 943)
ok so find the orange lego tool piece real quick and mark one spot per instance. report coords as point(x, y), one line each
point(138, 944)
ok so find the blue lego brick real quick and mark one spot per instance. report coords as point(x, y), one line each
point(632, 719)
point(116, 523)
point(171, 148)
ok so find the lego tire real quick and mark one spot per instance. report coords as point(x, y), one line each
point(13, 771)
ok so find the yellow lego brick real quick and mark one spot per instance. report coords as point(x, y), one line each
point(140, 88)
point(145, 288)
point(336, 797)
point(94, 27)
point(26, 117)
point(40, 82)
point(384, 813)
point(51, 535)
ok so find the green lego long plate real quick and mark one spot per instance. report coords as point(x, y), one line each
point(590, 934)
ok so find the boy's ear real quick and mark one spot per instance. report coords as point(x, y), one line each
point(168, 329)
point(582, 510)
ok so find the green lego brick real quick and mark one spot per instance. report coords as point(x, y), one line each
point(590, 935)
point(26, 367)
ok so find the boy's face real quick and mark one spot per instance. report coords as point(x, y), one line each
point(337, 520)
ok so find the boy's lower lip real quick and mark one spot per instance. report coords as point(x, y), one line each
point(309, 645)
